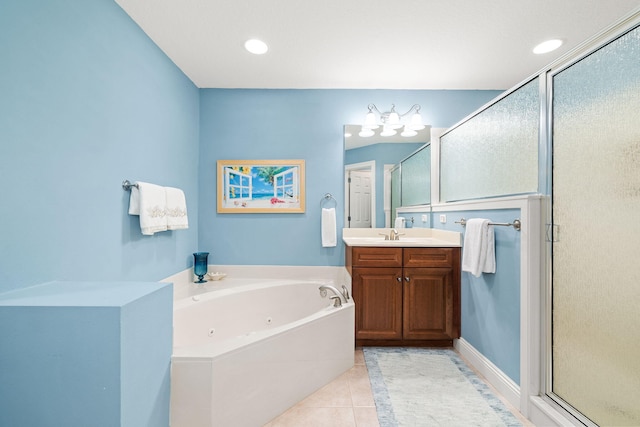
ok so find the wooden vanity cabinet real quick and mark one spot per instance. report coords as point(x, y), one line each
point(405, 296)
point(378, 297)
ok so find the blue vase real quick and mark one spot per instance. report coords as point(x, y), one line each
point(200, 265)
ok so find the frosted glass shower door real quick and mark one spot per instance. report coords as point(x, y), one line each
point(416, 178)
point(596, 207)
point(396, 191)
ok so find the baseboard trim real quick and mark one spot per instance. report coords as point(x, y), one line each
point(544, 414)
point(501, 382)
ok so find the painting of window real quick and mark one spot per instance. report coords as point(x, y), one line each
point(260, 186)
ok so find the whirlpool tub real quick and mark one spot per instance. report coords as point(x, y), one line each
point(244, 354)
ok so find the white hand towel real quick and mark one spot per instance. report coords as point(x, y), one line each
point(150, 202)
point(328, 228)
point(489, 265)
point(478, 255)
point(399, 222)
point(176, 209)
point(134, 201)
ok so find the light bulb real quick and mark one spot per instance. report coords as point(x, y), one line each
point(547, 46)
point(387, 131)
point(365, 132)
point(370, 121)
point(256, 46)
point(416, 122)
point(408, 132)
point(394, 120)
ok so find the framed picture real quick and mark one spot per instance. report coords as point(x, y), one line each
point(261, 186)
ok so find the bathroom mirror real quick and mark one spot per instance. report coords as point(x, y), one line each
point(368, 174)
point(415, 172)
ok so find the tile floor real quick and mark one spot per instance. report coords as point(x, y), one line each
point(347, 402)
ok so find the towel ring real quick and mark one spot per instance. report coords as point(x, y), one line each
point(328, 198)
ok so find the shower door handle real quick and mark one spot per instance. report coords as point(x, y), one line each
point(553, 233)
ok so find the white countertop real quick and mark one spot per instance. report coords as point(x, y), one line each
point(409, 237)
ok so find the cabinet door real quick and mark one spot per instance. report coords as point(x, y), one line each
point(429, 304)
point(377, 293)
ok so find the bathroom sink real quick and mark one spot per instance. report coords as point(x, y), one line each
point(403, 241)
point(409, 237)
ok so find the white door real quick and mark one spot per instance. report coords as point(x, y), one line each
point(359, 199)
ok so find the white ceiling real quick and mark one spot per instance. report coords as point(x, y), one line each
point(369, 44)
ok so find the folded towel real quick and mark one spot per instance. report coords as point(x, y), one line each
point(489, 265)
point(150, 202)
point(399, 223)
point(134, 201)
point(176, 209)
point(328, 228)
point(478, 255)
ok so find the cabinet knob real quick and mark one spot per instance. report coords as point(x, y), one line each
point(406, 278)
point(399, 279)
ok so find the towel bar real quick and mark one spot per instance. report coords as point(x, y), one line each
point(328, 197)
point(126, 185)
point(515, 224)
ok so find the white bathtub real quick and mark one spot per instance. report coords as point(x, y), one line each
point(245, 354)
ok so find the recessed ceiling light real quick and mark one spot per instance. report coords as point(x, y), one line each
point(547, 46)
point(256, 46)
point(347, 134)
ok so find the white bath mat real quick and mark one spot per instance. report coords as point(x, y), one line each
point(431, 387)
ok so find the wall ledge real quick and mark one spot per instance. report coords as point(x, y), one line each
point(184, 286)
point(506, 202)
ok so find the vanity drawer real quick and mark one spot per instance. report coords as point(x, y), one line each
point(376, 257)
point(430, 257)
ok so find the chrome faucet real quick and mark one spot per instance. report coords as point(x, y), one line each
point(394, 235)
point(345, 292)
point(323, 293)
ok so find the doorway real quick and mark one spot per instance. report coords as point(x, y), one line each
point(360, 204)
point(593, 371)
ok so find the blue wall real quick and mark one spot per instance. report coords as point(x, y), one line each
point(294, 124)
point(86, 354)
point(87, 100)
point(417, 219)
point(385, 153)
point(490, 304)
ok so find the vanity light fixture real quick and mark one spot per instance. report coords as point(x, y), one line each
point(391, 121)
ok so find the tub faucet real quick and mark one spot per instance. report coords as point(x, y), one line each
point(337, 301)
point(325, 288)
point(345, 292)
